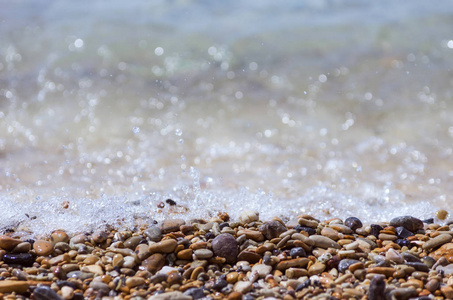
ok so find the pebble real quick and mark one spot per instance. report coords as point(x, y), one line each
point(262, 270)
point(316, 268)
point(59, 236)
point(153, 234)
point(176, 295)
point(394, 256)
point(353, 223)
point(344, 264)
point(23, 259)
point(437, 241)
point(225, 245)
point(153, 263)
point(166, 246)
point(7, 243)
point(243, 287)
point(377, 288)
point(272, 229)
point(249, 256)
point(24, 247)
point(45, 293)
point(203, 254)
point(248, 216)
point(410, 223)
point(172, 225)
point(195, 293)
point(67, 292)
point(9, 286)
point(297, 252)
point(134, 281)
point(324, 242)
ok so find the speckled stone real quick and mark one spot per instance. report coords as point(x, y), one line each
point(43, 248)
point(410, 223)
point(172, 225)
point(272, 229)
point(153, 233)
point(225, 245)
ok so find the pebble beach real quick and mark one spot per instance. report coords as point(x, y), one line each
point(248, 258)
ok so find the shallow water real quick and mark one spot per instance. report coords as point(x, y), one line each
point(333, 108)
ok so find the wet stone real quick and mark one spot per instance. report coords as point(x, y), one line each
point(153, 233)
point(324, 242)
point(9, 286)
point(248, 216)
point(171, 225)
point(195, 293)
point(153, 263)
point(80, 275)
point(375, 229)
point(23, 259)
point(45, 293)
point(272, 229)
point(437, 241)
point(353, 223)
point(410, 257)
point(410, 223)
point(403, 233)
point(225, 245)
point(249, 256)
point(308, 230)
point(99, 236)
point(419, 266)
point(22, 248)
point(8, 243)
point(377, 288)
point(344, 264)
point(297, 252)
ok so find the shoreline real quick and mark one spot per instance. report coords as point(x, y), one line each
point(404, 258)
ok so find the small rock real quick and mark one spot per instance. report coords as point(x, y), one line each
point(100, 286)
point(316, 268)
point(23, 259)
point(437, 241)
point(243, 286)
point(410, 223)
point(403, 233)
point(262, 270)
point(80, 275)
point(171, 225)
point(432, 285)
point(195, 293)
point(99, 236)
point(353, 223)
point(153, 263)
point(248, 216)
point(96, 269)
point(377, 288)
point(142, 251)
point(330, 233)
point(8, 243)
point(134, 281)
point(393, 255)
point(419, 266)
point(78, 239)
point(153, 234)
point(67, 292)
point(170, 296)
point(22, 248)
point(446, 251)
point(324, 242)
point(447, 291)
point(225, 245)
point(344, 264)
point(272, 229)
point(203, 253)
point(185, 254)
point(59, 236)
point(165, 246)
point(45, 293)
point(297, 252)
point(249, 256)
point(133, 242)
point(9, 286)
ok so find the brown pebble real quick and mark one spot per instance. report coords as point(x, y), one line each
point(172, 225)
point(165, 246)
point(294, 263)
point(185, 254)
point(235, 296)
point(447, 291)
point(249, 256)
point(8, 243)
point(153, 263)
point(43, 248)
point(232, 277)
point(442, 214)
point(132, 282)
point(9, 286)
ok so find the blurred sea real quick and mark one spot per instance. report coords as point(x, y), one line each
point(332, 108)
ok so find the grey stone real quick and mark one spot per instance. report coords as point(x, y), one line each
point(410, 223)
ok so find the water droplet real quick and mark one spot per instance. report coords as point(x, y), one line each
point(136, 130)
point(178, 132)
